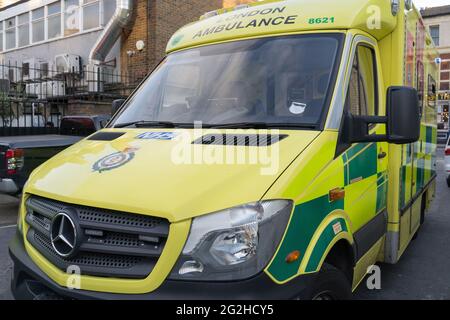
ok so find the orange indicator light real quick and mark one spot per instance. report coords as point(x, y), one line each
point(293, 256)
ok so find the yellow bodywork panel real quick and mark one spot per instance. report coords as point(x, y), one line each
point(372, 16)
point(164, 179)
point(156, 183)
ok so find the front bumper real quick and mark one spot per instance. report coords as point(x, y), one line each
point(8, 186)
point(29, 283)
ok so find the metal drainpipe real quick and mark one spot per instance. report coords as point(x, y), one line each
point(113, 30)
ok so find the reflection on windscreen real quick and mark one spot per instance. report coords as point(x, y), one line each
point(272, 80)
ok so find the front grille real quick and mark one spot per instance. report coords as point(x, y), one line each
point(112, 243)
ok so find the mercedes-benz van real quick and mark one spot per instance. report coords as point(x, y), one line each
point(278, 152)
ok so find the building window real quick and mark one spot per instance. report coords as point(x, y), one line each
point(71, 17)
point(10, 33)
point(38, 25)
point(57, 19)
point(445, 65)
point(434, 30)
point(24, 29)
point(1, 36)
point(445, 76)
point(91, 14)
point(109, 7)
point(54, 20)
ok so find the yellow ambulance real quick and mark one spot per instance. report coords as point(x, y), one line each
point(280, 150)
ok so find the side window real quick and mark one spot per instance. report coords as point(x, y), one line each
point(362, 92)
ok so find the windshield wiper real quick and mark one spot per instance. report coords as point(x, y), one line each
point(147, 124)
point(259, 125)
point(240, 125)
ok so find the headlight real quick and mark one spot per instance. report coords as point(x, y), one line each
point(233, 244)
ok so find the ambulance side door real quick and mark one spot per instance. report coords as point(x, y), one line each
point(365, 164)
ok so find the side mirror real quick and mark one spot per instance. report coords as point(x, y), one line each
point(402, 120)
point(116, 105)
point(404, 115)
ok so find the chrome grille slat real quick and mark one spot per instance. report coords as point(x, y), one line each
point(111, 241)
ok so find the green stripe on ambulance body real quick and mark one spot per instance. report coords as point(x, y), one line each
point(421, 169)
point(362, 161)
point(322, 244)
point(359, 162)
point(304, 223)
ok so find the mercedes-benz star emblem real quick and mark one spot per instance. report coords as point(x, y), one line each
point(64, 235)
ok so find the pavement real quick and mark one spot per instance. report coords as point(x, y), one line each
point(8, 219)
point(423, 271)
point(421, 274)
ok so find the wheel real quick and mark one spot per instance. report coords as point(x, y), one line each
point(448, 181)
point(329, 284)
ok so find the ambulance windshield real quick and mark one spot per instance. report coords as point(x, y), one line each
point(275, 82)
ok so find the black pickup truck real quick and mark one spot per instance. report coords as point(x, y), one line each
point(20, 155)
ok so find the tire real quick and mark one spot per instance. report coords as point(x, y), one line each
point(448, 181)
point(329, 284)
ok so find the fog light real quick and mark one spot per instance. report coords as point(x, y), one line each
point(191, 267)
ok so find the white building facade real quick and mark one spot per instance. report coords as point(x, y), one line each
point(438, 21)
point(42, 34)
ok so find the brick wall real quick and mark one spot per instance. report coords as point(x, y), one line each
point(136, 65)
point(168, 16)
point(155, 22)
point(233, 3)
point(83, 108)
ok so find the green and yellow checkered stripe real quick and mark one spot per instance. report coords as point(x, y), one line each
point(362, 177)
point(418, 165)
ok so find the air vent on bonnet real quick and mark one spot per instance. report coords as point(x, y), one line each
point(252, 140)
point(106, 136)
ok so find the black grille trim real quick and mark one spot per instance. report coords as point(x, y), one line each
point(95, 264)
point(103, 218)
point(106, 136)
point(250, 140)
point(113, 243)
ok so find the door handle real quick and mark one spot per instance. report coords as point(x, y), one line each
point(382, 155)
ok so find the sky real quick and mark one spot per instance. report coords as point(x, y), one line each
point(431, 3)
